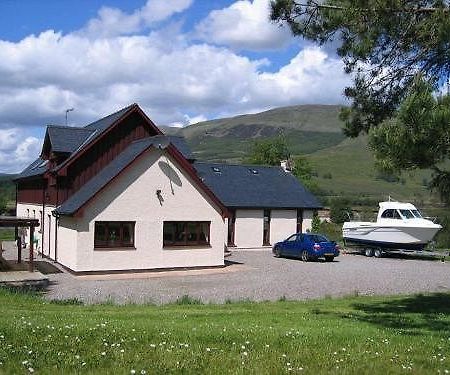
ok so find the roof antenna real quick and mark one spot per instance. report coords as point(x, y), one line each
point(67, 112)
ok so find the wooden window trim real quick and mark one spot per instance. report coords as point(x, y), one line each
point(186, 244)
point(120, 245)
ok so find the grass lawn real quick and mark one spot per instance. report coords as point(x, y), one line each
point(356, 335)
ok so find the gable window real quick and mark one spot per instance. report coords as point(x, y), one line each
point(186, 233)
point(111, 234)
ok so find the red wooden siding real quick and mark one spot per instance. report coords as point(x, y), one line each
point(102, 153)
point(30, 191)
point(87, 165)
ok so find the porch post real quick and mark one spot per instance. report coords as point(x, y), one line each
point(30, 263)
point(19, 244)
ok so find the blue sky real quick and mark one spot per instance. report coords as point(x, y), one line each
point(182, 61)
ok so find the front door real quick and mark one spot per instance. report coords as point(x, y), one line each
point(231, 229)
point(266, 228)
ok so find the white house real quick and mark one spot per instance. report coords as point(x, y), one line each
point(118, 195)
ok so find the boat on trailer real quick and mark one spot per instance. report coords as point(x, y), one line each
point(399, 226)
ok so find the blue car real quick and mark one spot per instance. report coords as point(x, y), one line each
point(307, 246)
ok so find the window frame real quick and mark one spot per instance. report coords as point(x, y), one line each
point(186, 242)
point(121, 244)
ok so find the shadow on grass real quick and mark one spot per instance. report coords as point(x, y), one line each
point(413, 315)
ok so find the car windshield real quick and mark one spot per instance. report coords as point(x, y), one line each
point(407, 214)
point(318, 238)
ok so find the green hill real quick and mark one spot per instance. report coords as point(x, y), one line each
point(344, 167)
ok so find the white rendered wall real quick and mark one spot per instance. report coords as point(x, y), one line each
point(67, 242)
point(248, 228)
point(41, 233)
point(283, 223)
point(307, 220)
point(132, 197)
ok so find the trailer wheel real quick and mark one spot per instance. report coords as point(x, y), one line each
point(368, 252)
point(378, 253)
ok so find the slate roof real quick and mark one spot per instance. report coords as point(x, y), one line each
point(97, 128)
point(240, 186)
point(66, 138)
point(101, 179)
point(105, 122)
point(182, 146)
point(36, 168)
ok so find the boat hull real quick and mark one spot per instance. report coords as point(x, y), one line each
point(392, 237)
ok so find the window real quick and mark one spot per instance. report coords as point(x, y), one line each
point(417, 214)
point(407, 214)
point(293, 238)
point(391, 214)
point(114, 234)
point(186, 233)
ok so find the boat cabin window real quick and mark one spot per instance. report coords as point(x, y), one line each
point(390, 214)
point(417, 214)
point(407, 214)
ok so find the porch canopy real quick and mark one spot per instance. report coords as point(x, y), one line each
point(21, 222)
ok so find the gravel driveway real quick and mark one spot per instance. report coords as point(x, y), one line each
point(257, 275)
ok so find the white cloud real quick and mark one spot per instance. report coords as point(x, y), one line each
point(113, 21)
point(188, 120)
point(174, 80)
point(17, 150)
point(48, 73)
point(244, 25)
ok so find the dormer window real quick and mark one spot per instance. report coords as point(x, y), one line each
point(253, 171)
point(216, 170)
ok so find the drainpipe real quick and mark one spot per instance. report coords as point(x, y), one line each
point(43, 221)
point(56, 216)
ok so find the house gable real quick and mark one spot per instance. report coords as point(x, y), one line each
point(87, 193)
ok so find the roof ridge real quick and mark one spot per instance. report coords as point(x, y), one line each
point(68, 127)
point(124, 109)
point(240, 165)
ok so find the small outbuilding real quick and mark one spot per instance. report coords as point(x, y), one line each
point(266, 204)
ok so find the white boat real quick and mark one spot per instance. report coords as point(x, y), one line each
point(398, 226)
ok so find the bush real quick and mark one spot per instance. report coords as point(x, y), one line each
point(315, 225)
point(443, 236)
point(331, 230)
point(340, 210)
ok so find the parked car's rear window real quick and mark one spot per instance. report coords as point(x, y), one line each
point(318, 238)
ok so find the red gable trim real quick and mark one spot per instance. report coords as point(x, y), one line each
point(185, 165)
point(62, 169)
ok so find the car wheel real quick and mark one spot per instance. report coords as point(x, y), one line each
point(378, 253)
point(305, 255)
point(368, 252)
point(329, 258)
point(277, 252)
